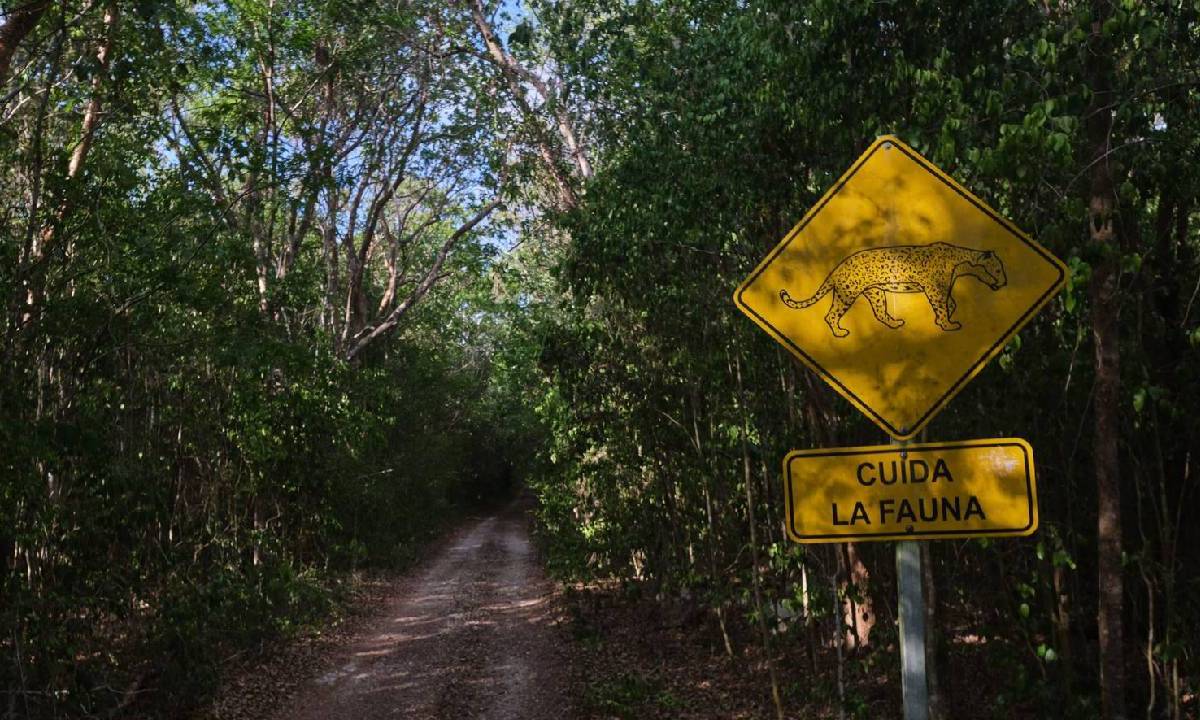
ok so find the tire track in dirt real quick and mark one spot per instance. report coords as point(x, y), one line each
point(472, 635)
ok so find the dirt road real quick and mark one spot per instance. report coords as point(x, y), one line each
point(470, 635)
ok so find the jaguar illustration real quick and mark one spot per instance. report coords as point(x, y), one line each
point(931, 269)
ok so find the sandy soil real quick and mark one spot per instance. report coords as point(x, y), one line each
point(473, 633)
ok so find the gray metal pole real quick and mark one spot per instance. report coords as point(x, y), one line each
point(912, 630)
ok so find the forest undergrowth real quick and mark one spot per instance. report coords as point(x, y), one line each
point(289, 285)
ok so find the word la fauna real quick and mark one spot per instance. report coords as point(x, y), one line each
point(905, 510)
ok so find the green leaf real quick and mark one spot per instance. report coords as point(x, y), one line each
point(1061, 558)
point(521, 36)
point(1139, 400)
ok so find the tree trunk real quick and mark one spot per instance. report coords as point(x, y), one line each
point(934, 641)
point(711, 536)
point(1062, 625)
point(750, 516)
point(841, 656)
point(87, 135)
point(857, 607)
point(1105, 311)
point(21, 21)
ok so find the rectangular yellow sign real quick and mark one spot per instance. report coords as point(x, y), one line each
point(930, 491)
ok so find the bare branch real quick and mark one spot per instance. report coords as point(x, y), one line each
point(432, 275)
point(514, 73)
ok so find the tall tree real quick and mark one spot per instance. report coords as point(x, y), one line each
point(1106, 296)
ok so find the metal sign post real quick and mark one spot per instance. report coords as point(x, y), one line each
point(911, 593)
point(912, 630)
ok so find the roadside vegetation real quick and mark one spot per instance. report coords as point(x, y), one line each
point(287, 286)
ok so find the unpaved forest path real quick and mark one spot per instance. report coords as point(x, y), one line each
point(471, 634)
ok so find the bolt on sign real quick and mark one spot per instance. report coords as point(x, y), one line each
point(899, 286)
point(932, 491)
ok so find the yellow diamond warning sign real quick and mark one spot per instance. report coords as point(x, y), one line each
point(977, 488)
point(899, 286)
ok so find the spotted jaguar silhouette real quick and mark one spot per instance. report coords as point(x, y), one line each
point(931, 269)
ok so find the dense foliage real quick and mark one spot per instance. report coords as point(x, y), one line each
point(715, 126)
point(287, 283)
point(248, 332)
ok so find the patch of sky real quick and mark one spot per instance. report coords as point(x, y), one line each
point(211, 31)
